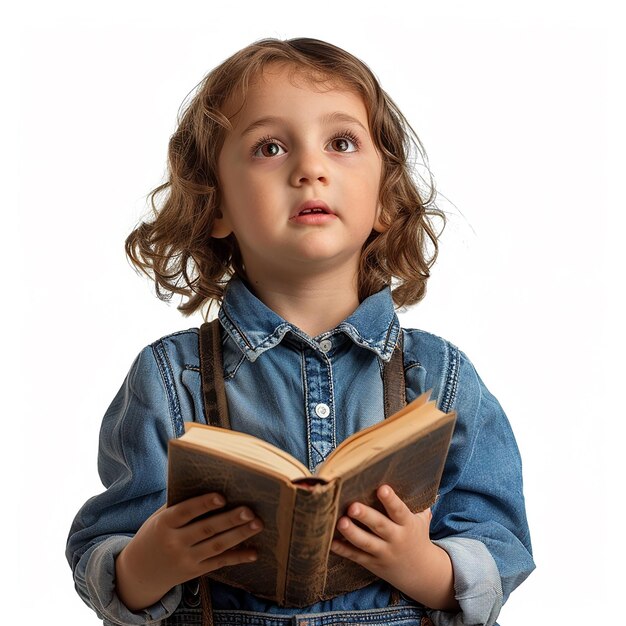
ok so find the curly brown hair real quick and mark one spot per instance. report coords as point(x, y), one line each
point(176, 249)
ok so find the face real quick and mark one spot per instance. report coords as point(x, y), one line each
point(299, 176)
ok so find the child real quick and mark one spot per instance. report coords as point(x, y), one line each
point(290, 202)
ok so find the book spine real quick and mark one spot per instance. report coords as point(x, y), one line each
point(314, 519)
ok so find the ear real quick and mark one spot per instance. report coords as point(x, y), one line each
point(378, 226)
point(221, 225)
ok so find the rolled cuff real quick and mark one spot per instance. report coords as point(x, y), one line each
point(100, 580)
point(477, 584)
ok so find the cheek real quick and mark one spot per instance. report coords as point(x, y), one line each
point(251, 209)
point(238, 183)
point(254, 184)
point(239, 193)
point(369, 191)
point(255, 206)
point(367, 179)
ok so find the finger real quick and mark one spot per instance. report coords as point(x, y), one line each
point(348, 551)
point(230, 557)
point(212, 525)
point(181, 514)
point(219, 544)
point(359, 537)
point(396, 509)
point(376, 521)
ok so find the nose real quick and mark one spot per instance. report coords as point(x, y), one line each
point(309, 167)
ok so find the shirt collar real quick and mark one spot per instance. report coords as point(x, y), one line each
point(255, 328)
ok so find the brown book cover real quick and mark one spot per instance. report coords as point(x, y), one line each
point(299, 509)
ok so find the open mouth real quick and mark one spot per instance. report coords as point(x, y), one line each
point(310, 211)
point(312, 207)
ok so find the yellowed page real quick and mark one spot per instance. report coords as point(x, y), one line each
point(246, 448)
point(380, 438)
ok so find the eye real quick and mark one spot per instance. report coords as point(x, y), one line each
point(266, 147)
point(345, 141)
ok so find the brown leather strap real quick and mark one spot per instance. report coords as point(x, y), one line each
point(394, 386)
point(394, 390)
point(212, 374)
point(394, 598)
point(216, 412)
point(207, 605)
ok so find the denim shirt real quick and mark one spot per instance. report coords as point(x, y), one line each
point(306, 395)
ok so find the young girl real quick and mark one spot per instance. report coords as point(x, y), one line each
point(290, 202)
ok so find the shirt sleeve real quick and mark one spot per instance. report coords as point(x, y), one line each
point(99, 580)
point(132, 462)
point(480, 516)
point(477, 586)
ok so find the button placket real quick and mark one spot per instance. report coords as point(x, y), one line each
point(319, 391)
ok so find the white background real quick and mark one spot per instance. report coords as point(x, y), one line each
point(520, 109)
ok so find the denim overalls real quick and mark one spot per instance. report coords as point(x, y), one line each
point(405, 613)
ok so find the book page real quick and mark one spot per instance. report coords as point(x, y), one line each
point(244, 448)
point(416, 418)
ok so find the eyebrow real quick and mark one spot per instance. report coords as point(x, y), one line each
point(330, 118)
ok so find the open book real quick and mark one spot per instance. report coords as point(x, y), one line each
point(300, 509)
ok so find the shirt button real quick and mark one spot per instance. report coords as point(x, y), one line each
point(322, 410)
point(326, 345)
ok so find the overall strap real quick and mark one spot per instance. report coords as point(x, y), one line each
point(206, 603)
point(394, 386)
point(216, 412)
point(212, 375)
point(394, 391)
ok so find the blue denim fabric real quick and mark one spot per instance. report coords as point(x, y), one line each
point(276, 378)
point(400, 615)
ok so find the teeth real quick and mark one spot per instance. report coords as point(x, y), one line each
point(306, 211)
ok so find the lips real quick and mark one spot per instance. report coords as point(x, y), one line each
point(312, 207)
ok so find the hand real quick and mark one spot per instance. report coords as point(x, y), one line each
point(397, 548)
point(173, 546)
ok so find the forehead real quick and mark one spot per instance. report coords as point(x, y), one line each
point(280, 88)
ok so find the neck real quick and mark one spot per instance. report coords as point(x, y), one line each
point(312, 303)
